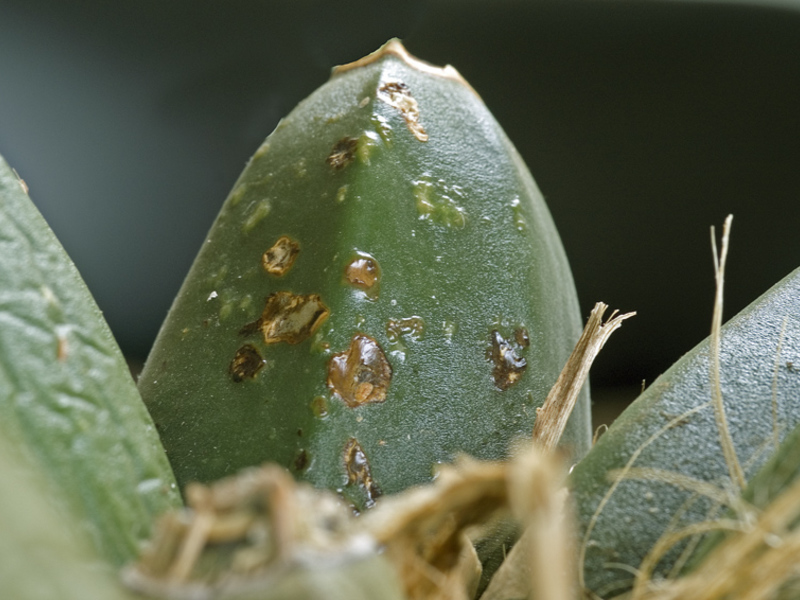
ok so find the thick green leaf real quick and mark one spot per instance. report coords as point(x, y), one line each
point(626, 489)
point(774, 478)
point(422, 232)
point(67, 400)
point(44, 556)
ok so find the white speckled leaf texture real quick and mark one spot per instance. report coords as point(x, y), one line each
point(68, 404)
point(668, 443)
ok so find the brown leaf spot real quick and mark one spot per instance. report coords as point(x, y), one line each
point(280, 258)
point(343, 153)
point(522, 338)
point(359, 472)
point(290, 318)
point(246, 363)
point(301, 461)
point(360, 374)
point(397, 95)
point(364, 273)
point(62, 350)
point(508, 366)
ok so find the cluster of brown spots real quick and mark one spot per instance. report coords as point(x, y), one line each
point(280, 258)
point(358, 471)
point(360, 374)
point(397, 95)
point(508, 365)
point(343, 153)
point(246, 363)
point(289, 318)
point(364, 273)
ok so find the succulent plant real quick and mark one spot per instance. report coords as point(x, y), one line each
point(68, 403)
point(382, 292)
point(662, 465)
point(383, 289)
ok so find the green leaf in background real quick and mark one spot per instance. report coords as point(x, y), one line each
point(661, 465)
point(67, 399)
point(383, 289)
point(774, 478)
point(43, 555)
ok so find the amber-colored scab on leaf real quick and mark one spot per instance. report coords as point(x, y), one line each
point(280, 258)
point(343, 153)
point(397, 95)
point(508, 365)
point(361, 374)
point(364, 273)
point(246, 363)
point(359, 472)
point(289, 318)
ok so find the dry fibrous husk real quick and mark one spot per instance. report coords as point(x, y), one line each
point(246, 532)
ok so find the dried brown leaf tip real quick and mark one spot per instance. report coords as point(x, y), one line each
point(246, 363)
point(508, 365)
point(343, 153)
point(397, 95)
point(358, 471)
point(281, 256)
point(361, 374)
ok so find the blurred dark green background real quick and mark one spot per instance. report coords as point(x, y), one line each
point(642, 122)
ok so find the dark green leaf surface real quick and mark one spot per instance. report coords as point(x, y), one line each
point(67, 400)
point(671, 427)
point(465, 246)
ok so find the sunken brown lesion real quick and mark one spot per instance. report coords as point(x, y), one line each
point(397, 95)
point(246, 363)
point(361, 374)
point(364, 273)
point(288, 317)
point(343, 153)
point(281, 256)
point(508, 365)
point(301, 461)
point(359, 472)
